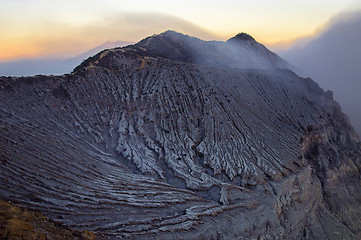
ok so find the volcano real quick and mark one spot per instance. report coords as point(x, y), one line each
point(175, 137)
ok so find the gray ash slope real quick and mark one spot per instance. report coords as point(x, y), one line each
point(175, 137)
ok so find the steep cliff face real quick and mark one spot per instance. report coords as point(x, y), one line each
point(177, 137)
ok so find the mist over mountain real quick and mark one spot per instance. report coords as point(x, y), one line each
point(332, 59)
point(51, 66)
point(241, 51)
point(179, 138)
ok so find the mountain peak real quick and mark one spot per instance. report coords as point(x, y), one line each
point(171, 33)
point(241, 51)
point(242, 37)
point(166, 38)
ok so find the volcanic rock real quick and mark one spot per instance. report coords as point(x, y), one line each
point(175, 137)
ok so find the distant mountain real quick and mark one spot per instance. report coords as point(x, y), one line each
point(179, 138)
point(51, 66)
point(75, 61)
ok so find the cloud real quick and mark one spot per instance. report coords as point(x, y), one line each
point(61, 39)
point(333, 59)
point(51, 42)
point(34, 67)
point(139, 25)
point(44, 49)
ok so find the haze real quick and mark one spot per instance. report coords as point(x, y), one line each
point(333, 59)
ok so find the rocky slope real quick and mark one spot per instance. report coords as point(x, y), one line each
point(19, 223)
point(174, 137)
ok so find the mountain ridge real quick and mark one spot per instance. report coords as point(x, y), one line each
point(235, 52)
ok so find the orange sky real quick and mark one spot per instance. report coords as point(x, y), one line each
point(40, 28)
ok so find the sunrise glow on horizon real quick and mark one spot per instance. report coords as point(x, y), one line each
point(39, 28)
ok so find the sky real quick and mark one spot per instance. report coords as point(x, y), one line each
point(64, 28)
